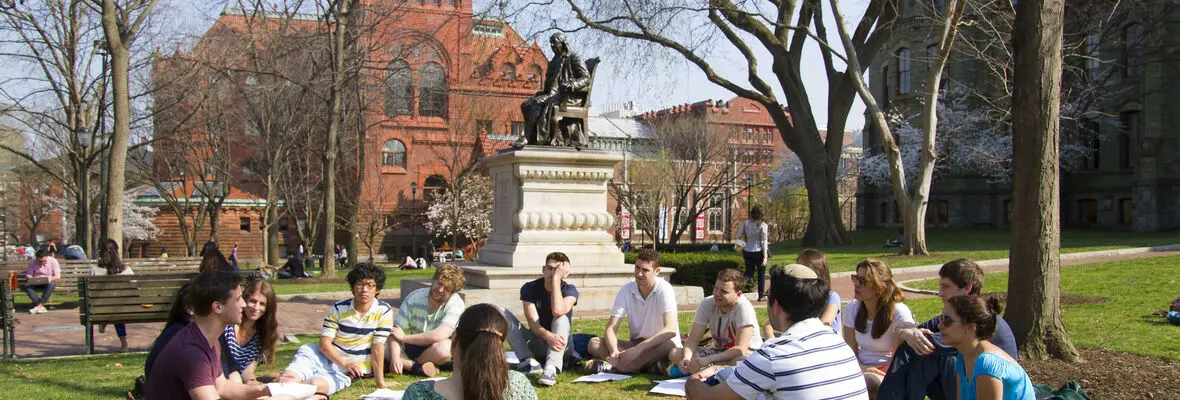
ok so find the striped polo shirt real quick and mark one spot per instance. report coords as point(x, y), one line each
point(414, 315)
point(808, 361)
point(354, 333)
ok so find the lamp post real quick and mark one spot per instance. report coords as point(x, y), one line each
point(102, 97)
point(749, 193)
point(82, 218)
point(414, 219)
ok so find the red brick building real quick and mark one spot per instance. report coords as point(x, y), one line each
point(438, 90)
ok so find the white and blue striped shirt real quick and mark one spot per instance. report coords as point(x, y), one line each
point(354, 333)
point(808, 361)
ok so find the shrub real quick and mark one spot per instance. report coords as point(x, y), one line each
point(699, 269)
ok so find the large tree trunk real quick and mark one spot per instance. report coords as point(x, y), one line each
point(340, 27)
point(117, 167)
point(824, 225)
point(1034, 282)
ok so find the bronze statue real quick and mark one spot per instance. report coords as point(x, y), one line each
point(567, 83)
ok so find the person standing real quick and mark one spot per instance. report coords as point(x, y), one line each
point(233, 257)
point(430, 257)
point(110, 264)
point(756, 251)
point(43, 268)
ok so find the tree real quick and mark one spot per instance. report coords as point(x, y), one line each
point(465, 211)
point(1034, 280)
point(911, 197)
point(691, 31)
point(336, 15)
point(122, 23)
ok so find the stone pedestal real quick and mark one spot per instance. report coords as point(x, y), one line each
point(550, 199)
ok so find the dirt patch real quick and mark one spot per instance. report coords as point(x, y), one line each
point(1067, 299)
point(1113, 375)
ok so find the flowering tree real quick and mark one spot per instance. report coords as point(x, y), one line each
point(137, 219)
point(465, 211)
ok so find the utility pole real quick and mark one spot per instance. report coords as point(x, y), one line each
point(414, 219)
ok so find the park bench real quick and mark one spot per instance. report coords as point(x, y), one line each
point(7, 322)
point(71, 270)
point(135, 298)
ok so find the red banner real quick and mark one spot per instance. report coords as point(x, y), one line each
point(625, 224)
point(700, 227)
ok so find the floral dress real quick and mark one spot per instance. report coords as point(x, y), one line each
point(519, 388)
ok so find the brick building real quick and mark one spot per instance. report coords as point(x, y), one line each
point(439, 89)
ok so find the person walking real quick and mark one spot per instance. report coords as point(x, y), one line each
point(756, 250)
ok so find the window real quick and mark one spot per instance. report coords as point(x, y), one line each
point(903, 70)
point(483, 126)
point(508, 71)
point(517, 128)
point(398, 89)
point(534, 72)
point(244, 224)
point(488, 29)
point(1133, 50)
point(432, 186)
point(1093, 147)
point(432, 91)
point(393, 153)
point(1126, 211)
point(1132, 123)
point(1093, 56)
point(1088, 211)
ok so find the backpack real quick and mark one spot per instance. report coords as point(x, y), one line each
point(1175, 305)
point(136, 392)
point(1071, 390)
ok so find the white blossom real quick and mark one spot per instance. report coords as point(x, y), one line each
point(467, 214)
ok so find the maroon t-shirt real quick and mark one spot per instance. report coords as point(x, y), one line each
point(188, 361)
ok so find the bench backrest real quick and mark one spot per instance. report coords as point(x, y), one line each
point(129, 298)
point(73, 269)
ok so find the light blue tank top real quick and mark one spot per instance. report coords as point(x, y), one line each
point(1017, 385)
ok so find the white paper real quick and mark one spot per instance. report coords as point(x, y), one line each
point(673, 387)
point(384, 394)
point(512, 360)
point(680, 380)
point(602, 377)
point(432, 379)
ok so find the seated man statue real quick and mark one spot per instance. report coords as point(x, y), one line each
point(567, 81)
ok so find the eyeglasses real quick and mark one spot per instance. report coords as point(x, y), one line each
point(859, 280)
point(946, 320)
point(370, 286)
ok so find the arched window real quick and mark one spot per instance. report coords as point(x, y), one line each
point(1133, 50)
point(432, 90)
point(508, 71)
point(398, 89)
point(534, 72)
point(433, 185)
point(903, 70)
point(393, 153)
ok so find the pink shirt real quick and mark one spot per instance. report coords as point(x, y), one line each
point(51, 268)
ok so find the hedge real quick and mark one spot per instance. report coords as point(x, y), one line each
point(700, 269)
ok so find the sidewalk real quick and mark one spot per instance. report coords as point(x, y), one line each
point(59, 333)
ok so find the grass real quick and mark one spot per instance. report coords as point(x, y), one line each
point(393, 281)
point(948, 244)
point(1134, 290)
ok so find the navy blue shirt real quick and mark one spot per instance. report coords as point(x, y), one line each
point(1003, 338)
point(535, 292)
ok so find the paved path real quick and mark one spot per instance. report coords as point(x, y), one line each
point(59, 333)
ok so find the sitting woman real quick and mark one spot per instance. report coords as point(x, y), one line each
point(110, 264)
point(869, 319)
point(967, 322)
point(481, 372)
point(256, 338)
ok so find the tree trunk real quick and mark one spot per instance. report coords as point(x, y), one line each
point(82, 212)
point(824, 225)
point(1034, 281)
point(272, 250)
point(117, 167)
point(340, 27)
point(214, 224)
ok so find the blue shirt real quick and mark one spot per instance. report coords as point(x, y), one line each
point(1017, 385)
point(1003, 338)
point(536, 293)
point(834, 299)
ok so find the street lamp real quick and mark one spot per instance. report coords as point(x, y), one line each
point(749, 192)
point(82, 218)
point(414, 219)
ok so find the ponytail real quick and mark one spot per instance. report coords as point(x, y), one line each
point(480, 338)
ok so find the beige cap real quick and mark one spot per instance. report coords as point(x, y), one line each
point(798, 271)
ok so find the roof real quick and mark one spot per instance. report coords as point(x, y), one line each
point(620, 128)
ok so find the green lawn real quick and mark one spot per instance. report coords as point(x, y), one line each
point(949, 244)
point(393, 281)
point(1134, 289)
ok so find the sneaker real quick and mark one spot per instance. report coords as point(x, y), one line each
point(34, 311)
point(529, 366)
point(41, 309)
point(598, 366)
point(549, 377)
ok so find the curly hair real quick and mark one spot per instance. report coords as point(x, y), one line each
point(451, 277)
point(650, 256)
point(364, 271)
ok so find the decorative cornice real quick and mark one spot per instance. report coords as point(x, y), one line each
point(564, 221)
point(565, 175)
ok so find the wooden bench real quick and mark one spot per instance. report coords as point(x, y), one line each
point(71, 270)
point(128, 299)
point(7, 322)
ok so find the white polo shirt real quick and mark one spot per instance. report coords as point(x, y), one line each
point(645, 317)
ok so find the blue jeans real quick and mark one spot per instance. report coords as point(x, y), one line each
point(46, 291)
point(754, 262)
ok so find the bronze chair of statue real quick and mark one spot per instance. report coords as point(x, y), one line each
point(569, 118)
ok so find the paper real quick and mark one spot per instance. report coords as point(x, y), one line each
point(672, 387)
point(512, 360)
point(384, 394)
point(602, 377)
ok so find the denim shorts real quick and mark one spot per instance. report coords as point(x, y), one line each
point(309, 362)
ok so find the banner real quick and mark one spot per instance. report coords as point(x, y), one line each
point(625, 224)
point(700, 227)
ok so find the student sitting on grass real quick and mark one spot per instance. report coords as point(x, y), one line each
point(424, 324)
point(871, 318)
point(256, 338)
point(731, 319)
point(649, 304)
point(548, 304)
point(923, 365)
point(481, 372)
point(354, 331)
point(985, 371)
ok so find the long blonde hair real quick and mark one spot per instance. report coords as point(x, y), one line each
point(878, 277)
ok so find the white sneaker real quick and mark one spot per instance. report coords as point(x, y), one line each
point(43, 310)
